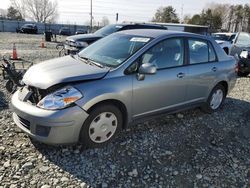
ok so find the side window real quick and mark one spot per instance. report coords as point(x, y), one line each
point(198, 51)
point(243, 39)
point(212, 56)
point(168, 53)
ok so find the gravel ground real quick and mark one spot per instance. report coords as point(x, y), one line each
point(28, 46)
point(189, 149)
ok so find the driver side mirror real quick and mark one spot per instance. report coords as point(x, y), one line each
point(147, 68)
point(144, 69)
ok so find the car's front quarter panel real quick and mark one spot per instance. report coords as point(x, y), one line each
point(48, 126)
point(117, 88)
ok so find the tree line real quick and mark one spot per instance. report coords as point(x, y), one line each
point(44, 11)
point(219, 17)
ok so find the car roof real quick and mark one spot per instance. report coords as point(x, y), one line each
point(141, 24)
point(156, 33)
point(29, 24)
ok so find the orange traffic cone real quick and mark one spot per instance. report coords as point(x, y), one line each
point(14, 53)
point(42, 44)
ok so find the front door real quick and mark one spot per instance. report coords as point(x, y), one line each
point(166, 88)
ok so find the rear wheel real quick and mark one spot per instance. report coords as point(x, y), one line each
point(102, 125)
point(215, 99)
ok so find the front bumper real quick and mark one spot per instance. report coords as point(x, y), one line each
point(47, 126)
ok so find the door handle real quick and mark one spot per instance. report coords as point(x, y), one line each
point(214, 69)
point(180, 75)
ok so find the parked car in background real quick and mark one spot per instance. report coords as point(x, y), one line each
point(65, 31)
point(241, 49)
point(90, 97)
point(28, 28)
point(81, 31)
point(74, 44)
point(225, 40)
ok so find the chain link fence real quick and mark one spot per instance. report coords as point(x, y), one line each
point(12, 26)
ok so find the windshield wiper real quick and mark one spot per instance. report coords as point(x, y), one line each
point(90, 61)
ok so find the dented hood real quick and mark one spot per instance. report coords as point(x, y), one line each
point(62, 70)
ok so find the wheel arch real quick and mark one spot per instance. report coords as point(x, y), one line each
point(225, 85)
point(120, 105)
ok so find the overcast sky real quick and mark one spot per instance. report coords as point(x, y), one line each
point(77, 11)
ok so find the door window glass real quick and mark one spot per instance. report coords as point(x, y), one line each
point(198, 51)
point(168, 53)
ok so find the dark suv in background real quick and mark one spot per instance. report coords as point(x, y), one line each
point(76, 43)
point(64, 31)
point(28, 28)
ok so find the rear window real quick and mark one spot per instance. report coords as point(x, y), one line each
point(212, 55)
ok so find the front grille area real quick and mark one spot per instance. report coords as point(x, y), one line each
point(24, 122)
point(37, 94)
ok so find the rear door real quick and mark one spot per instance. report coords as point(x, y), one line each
point(202, 69)
point(167, 88)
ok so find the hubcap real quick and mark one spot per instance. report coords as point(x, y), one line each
point(103, 127)
point(216, 99)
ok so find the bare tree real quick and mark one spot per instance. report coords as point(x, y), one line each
point(19, 6)
point(105, 21)
point(187, 18)
point(36, 10)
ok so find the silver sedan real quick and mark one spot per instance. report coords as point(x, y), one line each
point(90, 97)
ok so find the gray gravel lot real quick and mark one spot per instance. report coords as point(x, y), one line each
point(28, 46)
point(189, 149)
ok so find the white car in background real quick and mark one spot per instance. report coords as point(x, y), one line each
point(225, 40)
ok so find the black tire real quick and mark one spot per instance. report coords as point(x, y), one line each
point(207, 106)
point(243, 74)
point(84, 136)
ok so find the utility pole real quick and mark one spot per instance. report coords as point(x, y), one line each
point(91, 16)
point(117, 17)
point(182, 19)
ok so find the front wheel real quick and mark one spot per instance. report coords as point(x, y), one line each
point(102, 125)
point(215, 99)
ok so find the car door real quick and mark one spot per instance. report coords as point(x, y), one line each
point(202, 69)
point(166, 88)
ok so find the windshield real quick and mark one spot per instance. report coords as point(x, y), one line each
point(223, 37)
point(243, 39)
point(113, 50)
point(107, 30)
